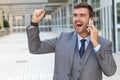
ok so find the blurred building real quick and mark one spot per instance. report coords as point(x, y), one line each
point(59, 16)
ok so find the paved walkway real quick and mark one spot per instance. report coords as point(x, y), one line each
point(16, 63)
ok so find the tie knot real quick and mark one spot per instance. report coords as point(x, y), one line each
point(83, 41)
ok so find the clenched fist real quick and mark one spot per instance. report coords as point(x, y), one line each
point(38, 15)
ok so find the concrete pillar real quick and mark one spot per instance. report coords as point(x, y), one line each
point(10, 22)
point(68, 15)
point(27, 19)
point(60, 18)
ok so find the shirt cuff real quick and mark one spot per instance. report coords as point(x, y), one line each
point(30, 27)
point(97, 48)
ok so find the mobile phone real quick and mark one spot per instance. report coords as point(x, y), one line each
point(90, 21)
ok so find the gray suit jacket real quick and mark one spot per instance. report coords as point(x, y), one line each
point(64, 47)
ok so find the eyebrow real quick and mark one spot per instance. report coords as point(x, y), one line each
point(79, 14)
point(74, 14)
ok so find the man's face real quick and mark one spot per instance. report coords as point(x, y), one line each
point(80, 19)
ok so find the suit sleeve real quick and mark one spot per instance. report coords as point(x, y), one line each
point(105, 59)
point(36, 46)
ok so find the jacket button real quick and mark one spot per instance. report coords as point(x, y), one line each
point(68, 75)
point(80, 63)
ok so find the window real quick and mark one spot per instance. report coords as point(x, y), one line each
point(118, 40)
point(71, 15)
point(75, 2)
point(63, 17)
point(118, 13)
point(18, 20)
point(97, 19)
point(70, 9)
point(95, 3)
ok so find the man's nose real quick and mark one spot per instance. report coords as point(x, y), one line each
point(78, 18)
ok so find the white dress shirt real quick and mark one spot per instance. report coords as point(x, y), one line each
point(86, 42)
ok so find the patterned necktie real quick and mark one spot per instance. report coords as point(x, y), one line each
point(82, 49)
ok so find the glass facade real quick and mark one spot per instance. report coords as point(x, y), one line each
point(95, 3)
point(54, 19)
point(118, 23)
point(75, 2)
point(63, 17)
point(118, 13)
point(46, 20)
point(103, 17)
point(18, 20)
point(70, 16)
point(118, 39)
point(97, 19)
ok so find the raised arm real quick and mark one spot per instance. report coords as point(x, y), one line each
point(36, 46)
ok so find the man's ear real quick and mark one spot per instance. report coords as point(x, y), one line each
point(92, 18)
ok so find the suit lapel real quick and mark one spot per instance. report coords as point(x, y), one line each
point(87, 52)
point(72, 46)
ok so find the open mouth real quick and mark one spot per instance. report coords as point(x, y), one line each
point(79, 25)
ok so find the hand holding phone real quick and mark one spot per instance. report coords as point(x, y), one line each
point(93, 32)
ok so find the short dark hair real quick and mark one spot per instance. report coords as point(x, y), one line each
point(85, 5)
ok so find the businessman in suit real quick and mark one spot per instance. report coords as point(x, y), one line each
point(79, 55)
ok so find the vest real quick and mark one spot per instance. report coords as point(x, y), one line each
point(77, 64)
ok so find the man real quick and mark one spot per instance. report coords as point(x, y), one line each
point(79, 55)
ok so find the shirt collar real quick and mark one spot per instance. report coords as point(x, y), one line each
point(80, 38)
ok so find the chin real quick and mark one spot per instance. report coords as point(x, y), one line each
point(79, 32)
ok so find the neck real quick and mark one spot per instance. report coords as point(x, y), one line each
point(84, 35)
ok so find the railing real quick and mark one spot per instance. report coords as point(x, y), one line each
point(18, 29)
point(45, 28)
